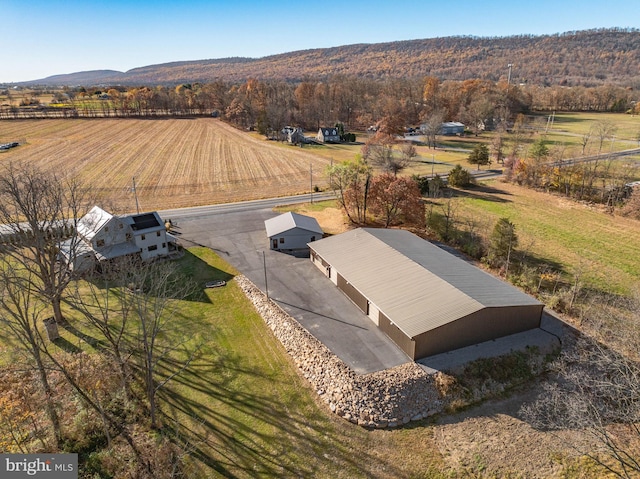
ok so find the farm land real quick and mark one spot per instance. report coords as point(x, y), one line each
point(254, 415)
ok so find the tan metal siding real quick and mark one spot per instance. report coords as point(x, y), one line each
point(353, 294)
point(397, 336)
point(485, 325)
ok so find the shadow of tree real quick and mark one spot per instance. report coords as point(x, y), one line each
point(66, 345)
point(247, 434)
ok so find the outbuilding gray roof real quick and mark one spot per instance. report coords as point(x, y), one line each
point(416, 284)
point(289, 221)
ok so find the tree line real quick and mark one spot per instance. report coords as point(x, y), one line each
point(358, 103)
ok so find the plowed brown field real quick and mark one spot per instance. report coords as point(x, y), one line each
point(175, 162)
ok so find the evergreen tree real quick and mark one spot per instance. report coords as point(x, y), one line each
point(480, 155)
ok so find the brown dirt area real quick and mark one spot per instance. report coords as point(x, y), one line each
point(490, 440)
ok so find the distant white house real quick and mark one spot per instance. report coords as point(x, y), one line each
point(102, 236)
point(328, 135)
point(291, 232)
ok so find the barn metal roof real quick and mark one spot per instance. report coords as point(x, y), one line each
point(416, 284)
point(289, 221)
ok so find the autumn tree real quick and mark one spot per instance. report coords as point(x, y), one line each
point(396, 199)
point(382, 151)
point(479, 155)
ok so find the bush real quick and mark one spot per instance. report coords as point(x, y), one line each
point(460, 178)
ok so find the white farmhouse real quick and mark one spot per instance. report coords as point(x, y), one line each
point(102, 236)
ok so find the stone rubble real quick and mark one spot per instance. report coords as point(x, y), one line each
point(384, 399)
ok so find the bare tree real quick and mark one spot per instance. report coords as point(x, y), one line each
point(20, 316)
point(39, 212)
point(432, 125)
point(604, 130)
point(380, 152)
point(154, 304)
point(350, 181)
point(106, 304)
point(596, 388)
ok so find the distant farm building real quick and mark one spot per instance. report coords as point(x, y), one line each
point(425, 299)
point(452, 128)
point(328, 135)
point(290, 232)
point(102, 237)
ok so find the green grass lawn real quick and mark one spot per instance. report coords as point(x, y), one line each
point(246, 411)
point(560, 231)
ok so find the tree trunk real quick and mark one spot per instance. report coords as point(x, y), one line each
point(49, 404)
point(57, 310)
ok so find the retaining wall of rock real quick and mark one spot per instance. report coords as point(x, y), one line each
point(382, 399)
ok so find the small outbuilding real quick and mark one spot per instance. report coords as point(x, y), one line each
point(290, 232)
point(452, 128)
point(425, 299)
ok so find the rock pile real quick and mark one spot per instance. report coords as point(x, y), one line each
point(382, 399)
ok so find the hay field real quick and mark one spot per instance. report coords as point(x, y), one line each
point(175, 162)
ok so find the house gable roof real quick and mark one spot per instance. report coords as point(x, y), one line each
point(414, 283)
point(91, 223)
point(288, 221)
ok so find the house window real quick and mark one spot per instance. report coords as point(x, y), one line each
point(157, 233)
point(106, 228)
point(153, 247)
point(281, 240)
point(120, 225)
point(143, 237)
point(164, 245)
point(313, 238)
point(128, 236)
point(100, 243)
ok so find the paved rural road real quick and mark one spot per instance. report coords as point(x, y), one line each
point(236, 232)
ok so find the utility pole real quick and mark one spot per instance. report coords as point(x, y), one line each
point(311, 179)
point(264, 264)
point(135, 194)
point(509, 76)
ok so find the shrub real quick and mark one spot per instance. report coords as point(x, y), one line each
point(460, 178)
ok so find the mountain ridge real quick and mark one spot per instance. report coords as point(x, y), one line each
point(587, 57)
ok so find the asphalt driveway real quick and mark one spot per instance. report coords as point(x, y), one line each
point(296, 285)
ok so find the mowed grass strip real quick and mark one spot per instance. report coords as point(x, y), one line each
point(605, 248)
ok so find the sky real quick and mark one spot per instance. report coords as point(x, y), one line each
point(40, 38)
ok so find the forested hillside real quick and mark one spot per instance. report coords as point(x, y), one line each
point(587, 58)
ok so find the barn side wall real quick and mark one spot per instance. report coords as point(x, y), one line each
point(484, 325)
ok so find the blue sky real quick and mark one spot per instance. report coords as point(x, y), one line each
point(40, 38)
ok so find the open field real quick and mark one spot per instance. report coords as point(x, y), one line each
point(560, 232)
point(175, 162)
